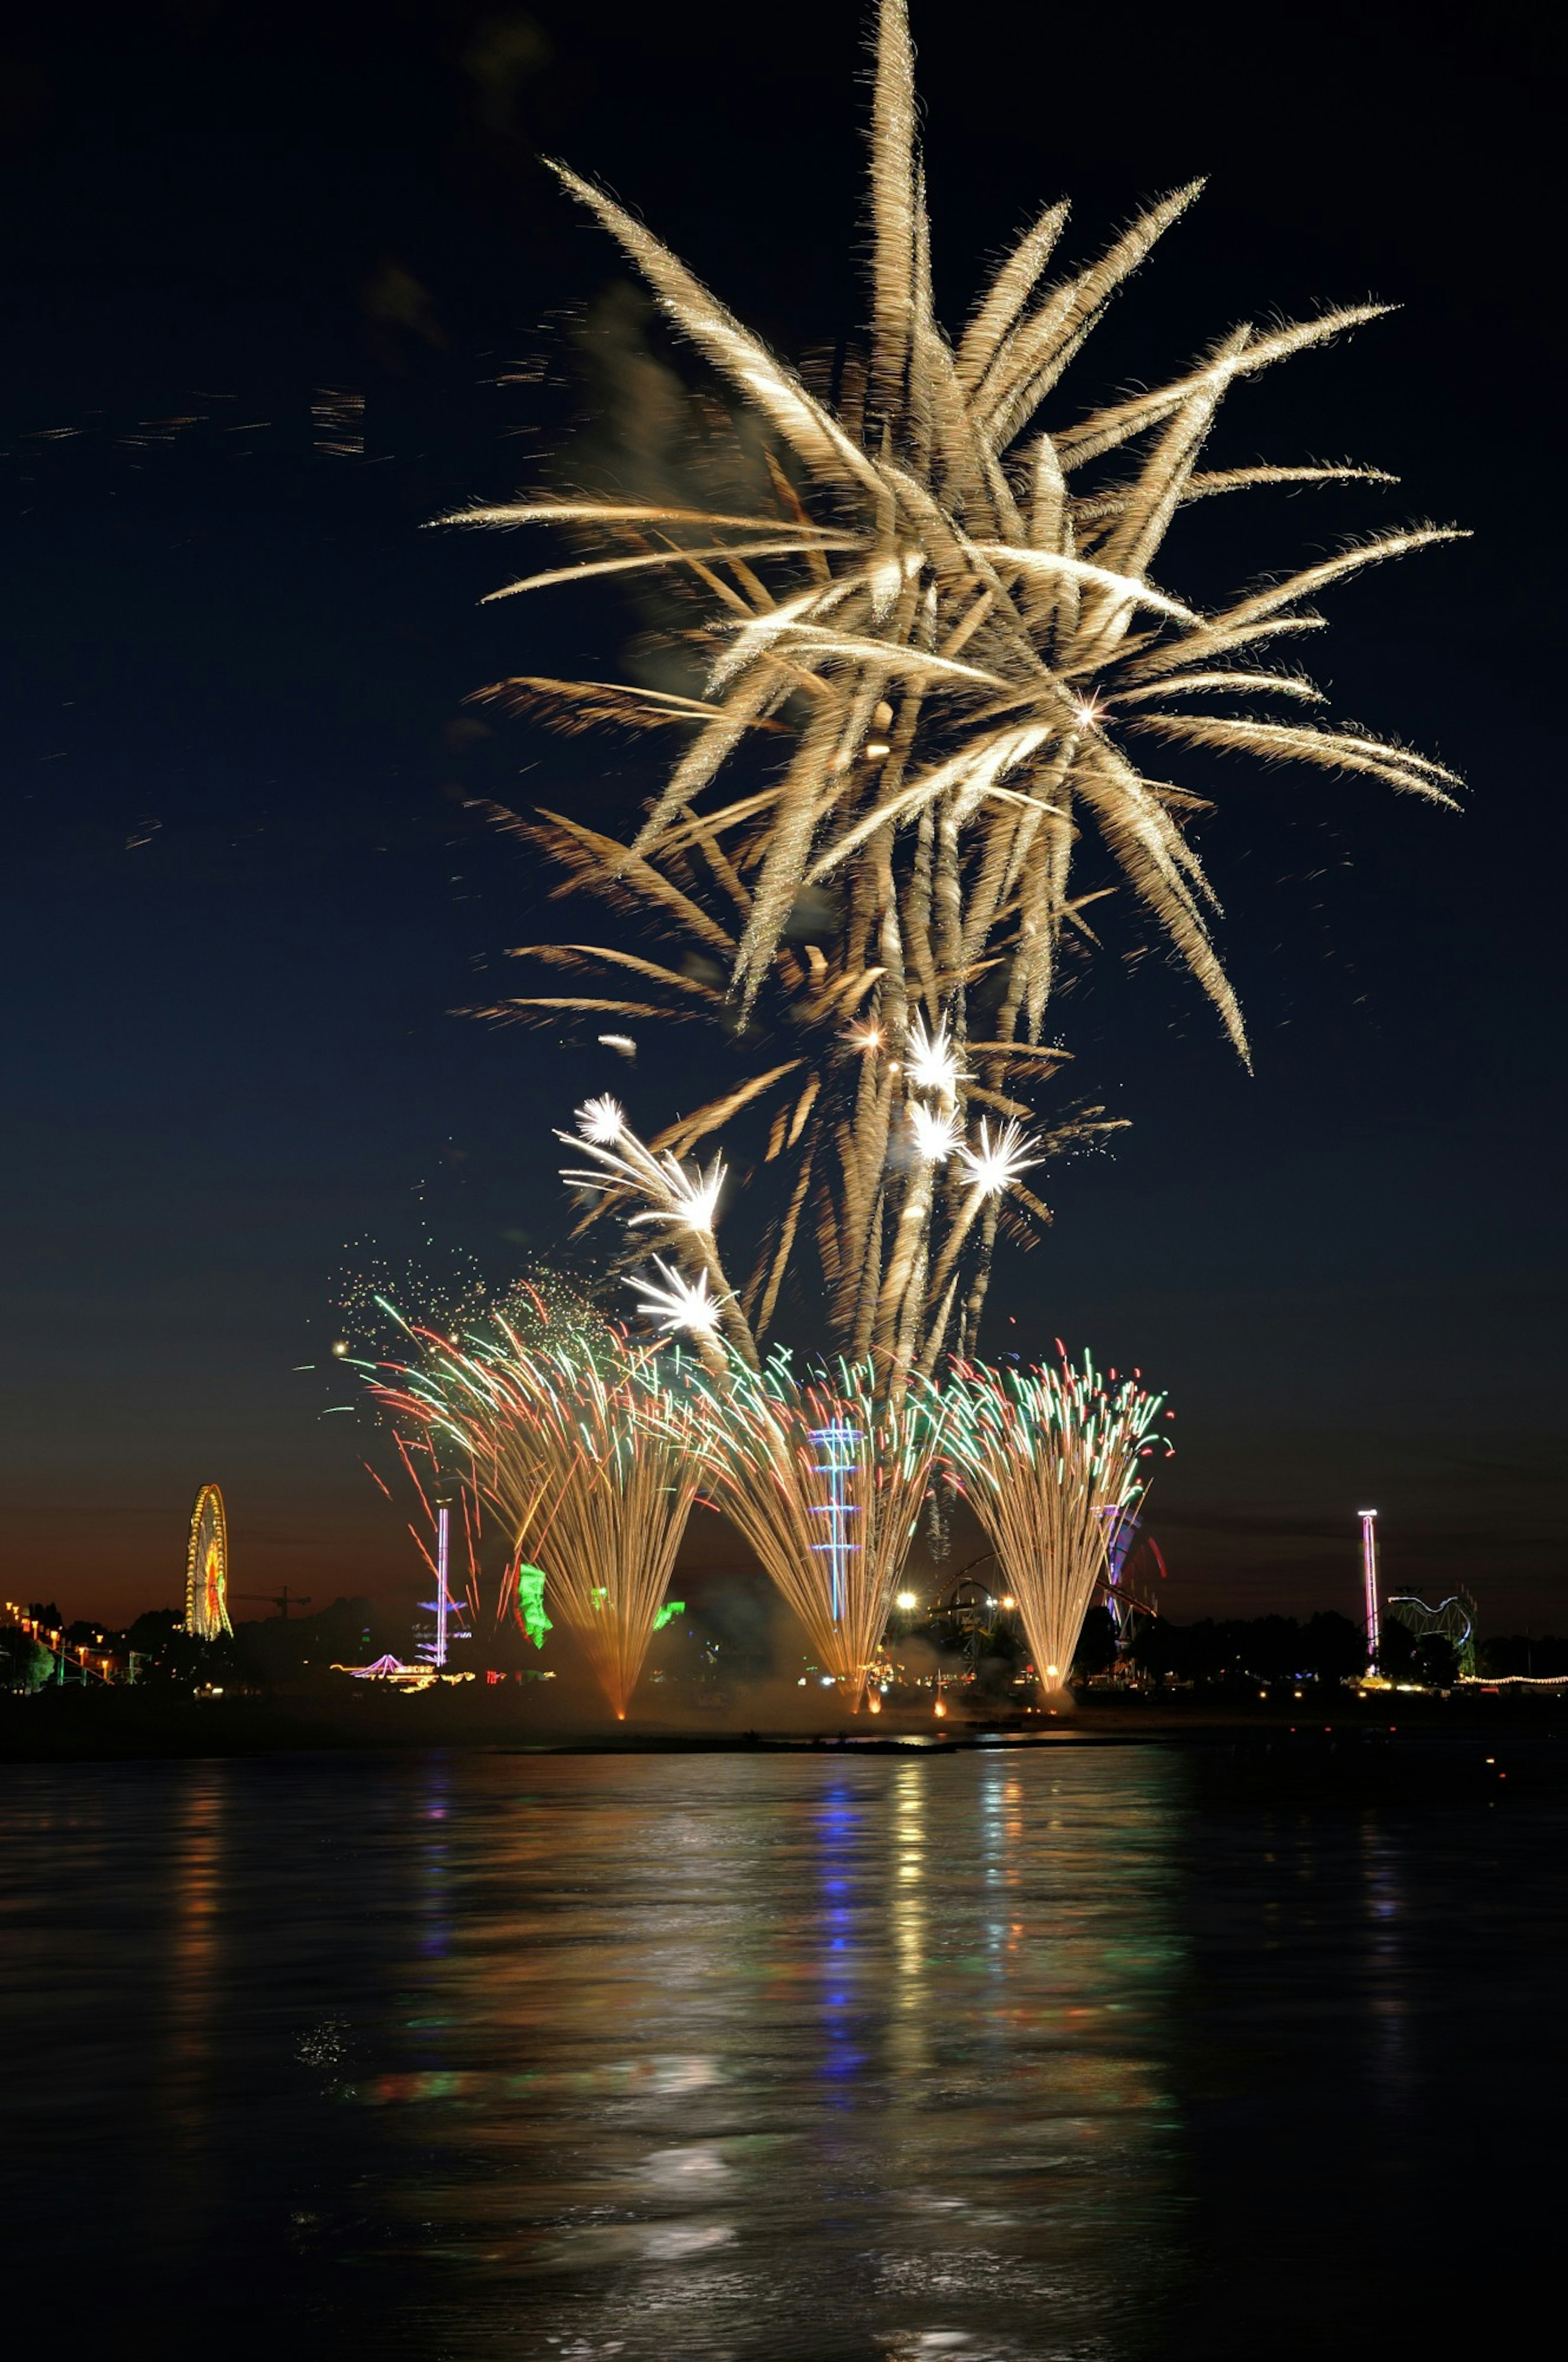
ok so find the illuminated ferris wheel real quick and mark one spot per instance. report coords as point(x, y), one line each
point(207, 1568)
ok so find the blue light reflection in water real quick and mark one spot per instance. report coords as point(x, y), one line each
point(841, 2058)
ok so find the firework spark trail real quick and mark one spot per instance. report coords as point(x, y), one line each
point(603, 1473)
point(840, 1180)
point(585, 1448)
point(956, 641)
point(824, 1479)
point(683, 1205)
point(1051, 1462)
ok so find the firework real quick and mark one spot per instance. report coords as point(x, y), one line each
point(583, 1449)
point(597, 1471)
point(1052, 1463)
point(938, 608)
point(824, 1479)
point(681, 1202)
point(907, 1314)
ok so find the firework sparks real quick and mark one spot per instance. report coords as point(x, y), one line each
point(682, 1204)
point(929, 1062)
point(601, 1121)
point(678, 1199)
point(994, 1165)
point(824, 1481)
point(1050, 1460)
point(677, 1303)
point(934, 1133)
point(584, 1449)
point(692, 1199)
point(944, 614)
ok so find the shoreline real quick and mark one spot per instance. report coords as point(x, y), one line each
point(142, 1725)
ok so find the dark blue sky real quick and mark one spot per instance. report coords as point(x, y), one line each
point(245, 898)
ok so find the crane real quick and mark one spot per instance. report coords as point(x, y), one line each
point(282, 1600)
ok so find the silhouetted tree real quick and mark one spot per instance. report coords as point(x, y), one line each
point(24, 1664)
point(1096, 1650)
point(1437, 1661)
point(1333, 1647)
point(1521, 1652)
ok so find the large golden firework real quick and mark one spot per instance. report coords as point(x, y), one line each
point(937, 613)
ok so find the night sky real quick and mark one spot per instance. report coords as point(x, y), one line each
point(245, 897)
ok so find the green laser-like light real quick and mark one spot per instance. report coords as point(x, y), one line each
point(531, 1604)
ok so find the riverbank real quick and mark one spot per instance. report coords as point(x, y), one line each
point(81, 1725)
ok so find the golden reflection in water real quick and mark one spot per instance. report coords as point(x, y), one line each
point(906, 2032)
point(193, 1972)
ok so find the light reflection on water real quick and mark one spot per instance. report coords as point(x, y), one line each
point(785, 2055)
point(686, 2055)
point(997, 2056)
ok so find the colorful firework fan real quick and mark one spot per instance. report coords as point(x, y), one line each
point(593, 1463)
point(585, 1450)
point(1051, 1463)
point(824, 1480)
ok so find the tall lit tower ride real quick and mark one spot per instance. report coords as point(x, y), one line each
point(434, 1651)
point(1369, 1571)
point(837, 1443)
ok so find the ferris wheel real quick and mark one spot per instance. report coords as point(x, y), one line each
point(207, 1568)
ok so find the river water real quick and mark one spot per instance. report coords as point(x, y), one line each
point(997, 2056)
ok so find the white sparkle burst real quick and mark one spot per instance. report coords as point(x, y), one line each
point(993, 1165)
point(929, 1059)
point(678, 1302)
point(935, 1135)
point(601, 1121)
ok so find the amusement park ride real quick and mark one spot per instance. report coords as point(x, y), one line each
point(207, 1568)
point(837, 1445)
point(448, 1625)
point(1132, 1558)
point(964, 1600)
point(1452, 1619)
point(1369, 1581)
point(207, 1592)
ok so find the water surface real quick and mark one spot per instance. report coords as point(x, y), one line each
point(1001, 2056)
